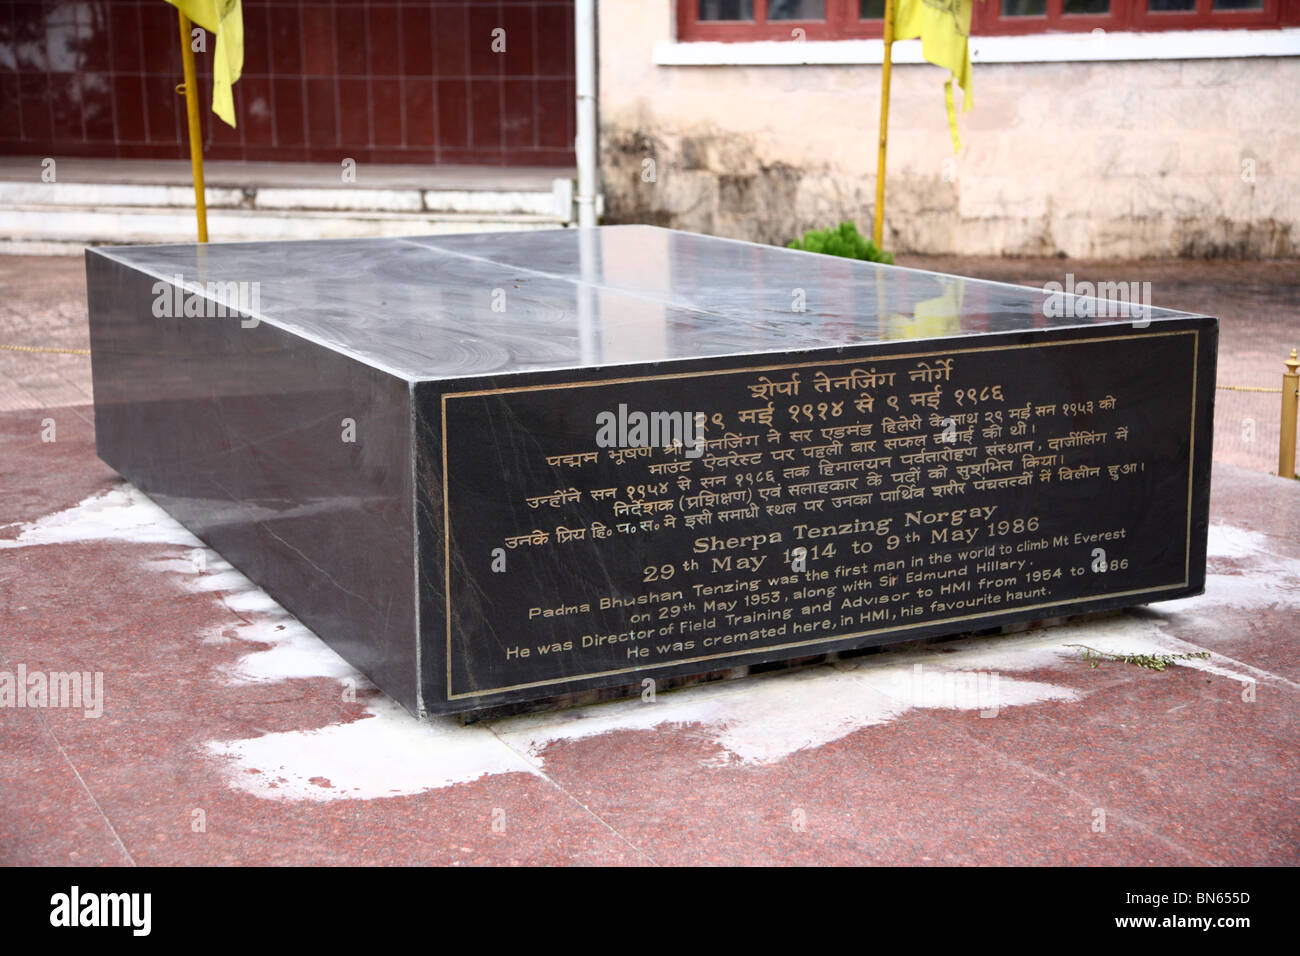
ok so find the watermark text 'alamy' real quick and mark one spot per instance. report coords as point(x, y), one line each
point(1101, 300)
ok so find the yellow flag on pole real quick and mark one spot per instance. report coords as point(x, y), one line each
point(224, 19)
point(944, 29)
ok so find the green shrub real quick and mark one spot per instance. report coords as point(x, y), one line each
point(844, 240)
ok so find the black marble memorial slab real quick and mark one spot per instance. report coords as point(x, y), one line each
point(499, 468)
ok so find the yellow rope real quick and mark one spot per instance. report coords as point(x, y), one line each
point(36, 348)
point(1249, 388)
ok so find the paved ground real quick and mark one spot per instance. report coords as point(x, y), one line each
point(43, 306)
point(230, 734)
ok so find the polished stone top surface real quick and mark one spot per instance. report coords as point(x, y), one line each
point(497, 303)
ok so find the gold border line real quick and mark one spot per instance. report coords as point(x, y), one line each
point(1195, 333)
point(446, 537)
point(1191, 461)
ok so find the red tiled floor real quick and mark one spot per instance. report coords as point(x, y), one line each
point(48, 817)
point(1185, 771)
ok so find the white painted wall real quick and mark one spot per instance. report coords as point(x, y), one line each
point(1081, 155)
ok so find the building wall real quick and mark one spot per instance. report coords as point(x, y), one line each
point(374, 80)
point(1106, 159)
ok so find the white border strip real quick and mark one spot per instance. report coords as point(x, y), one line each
point(1036, 48)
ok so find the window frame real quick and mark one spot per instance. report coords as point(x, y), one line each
point(987, 19)
point(842, 22)
point(1204, 17)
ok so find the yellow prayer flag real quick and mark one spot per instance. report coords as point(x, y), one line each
point(944, 29)
point(224, 19)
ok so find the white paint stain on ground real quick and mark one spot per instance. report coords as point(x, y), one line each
point(763, 720)
point(751, 722)
point(1244, 572)
point(120, 514)
point(126, 514)
point(387, 754)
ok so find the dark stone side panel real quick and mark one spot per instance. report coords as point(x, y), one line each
point(238, 433)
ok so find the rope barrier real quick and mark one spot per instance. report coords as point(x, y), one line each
point(37, 348)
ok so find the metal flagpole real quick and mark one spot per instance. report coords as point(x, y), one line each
point(878, 227)
point(191, 91)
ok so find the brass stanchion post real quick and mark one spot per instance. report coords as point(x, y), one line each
point(1290, 398)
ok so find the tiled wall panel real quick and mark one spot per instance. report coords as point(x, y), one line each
point(401, 81)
